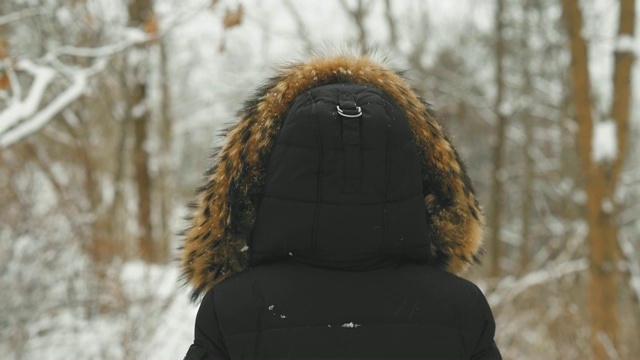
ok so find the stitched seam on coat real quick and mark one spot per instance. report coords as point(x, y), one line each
point(336, 149)
point(314, 227)
point(343, 204)
point(385, 223)
point(337, 326)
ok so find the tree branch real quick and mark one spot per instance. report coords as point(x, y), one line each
point(508, 289)
point(20, 110)
point(44, 116)
point(302, 29)
point(22, 14)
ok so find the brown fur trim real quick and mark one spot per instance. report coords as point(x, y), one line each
point(215, 244)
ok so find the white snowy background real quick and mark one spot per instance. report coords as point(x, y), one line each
point(54, 306)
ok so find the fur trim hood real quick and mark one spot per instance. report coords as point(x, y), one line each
point(224, 214)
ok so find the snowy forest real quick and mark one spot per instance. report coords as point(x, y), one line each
point(110, 109)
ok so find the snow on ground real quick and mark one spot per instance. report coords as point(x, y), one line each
point(155, 321)
point(172, 333)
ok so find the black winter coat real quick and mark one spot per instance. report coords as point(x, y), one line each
point(330, 226)
point(300, 312)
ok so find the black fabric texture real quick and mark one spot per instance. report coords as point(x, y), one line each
point(342, 193)
point(340, 249)
point(289, 310)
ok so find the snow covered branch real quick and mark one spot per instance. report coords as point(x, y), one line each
point(132, 37)
point(39, 120)
point(19, 15)
point(509, 288)
point(22, 118)
point(25, 115)
point(18, 109)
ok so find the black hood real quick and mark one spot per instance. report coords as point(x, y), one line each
point(342, 191)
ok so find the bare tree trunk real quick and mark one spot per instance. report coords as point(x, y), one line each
point(600, 177)
point(527, 191)
point(166, 164)
point(141, 16)
point(118, 176)
point(620, 112)
point(143, 179)
point(300, 24)
point(102, 247)
point(496, 203)
point(359, 14)
point(391, 22)
point(528, 173)
point(4, 53)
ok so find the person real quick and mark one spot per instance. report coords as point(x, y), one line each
point(332, 224)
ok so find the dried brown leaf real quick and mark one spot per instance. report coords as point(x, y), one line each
point(233, 18)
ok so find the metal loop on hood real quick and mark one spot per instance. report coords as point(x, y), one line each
point(347, 114)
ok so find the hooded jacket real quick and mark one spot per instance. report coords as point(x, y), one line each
point(333, 222)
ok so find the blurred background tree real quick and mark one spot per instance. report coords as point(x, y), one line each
point(109, 109)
